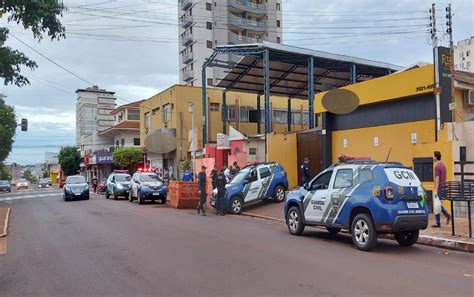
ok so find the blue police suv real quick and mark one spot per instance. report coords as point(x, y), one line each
point(118, 184)
point(367, 198)
point(253, 184)
point(147, 186)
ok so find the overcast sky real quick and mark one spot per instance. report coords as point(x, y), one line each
point(131, 47)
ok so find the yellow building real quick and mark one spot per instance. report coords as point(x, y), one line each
point(165, 120)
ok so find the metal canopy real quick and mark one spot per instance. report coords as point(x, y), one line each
point(276, 69)
point(289, 69)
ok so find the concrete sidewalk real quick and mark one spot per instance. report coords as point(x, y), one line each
point(438, 237)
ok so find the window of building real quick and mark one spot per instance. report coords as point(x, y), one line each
point(280, 117)
point(123, 142)
point(208, 25)
point(214, 106)
point(296, 118)
point(166, 113)
point(244, 114)
point(468, 65)
point(305, 118)
point(117, 143)
point(136, 141)
point(209, 44)
point(133, 115)
point(252, 151)
point(278, 6)
point(156, 111)
point(278, 39)
point(278, 23)
point(209, 82)
point(209, 6)
point(231, 113)
point(467, 53)
point(147, 120)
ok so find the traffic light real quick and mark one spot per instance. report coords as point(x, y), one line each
point(24, 125)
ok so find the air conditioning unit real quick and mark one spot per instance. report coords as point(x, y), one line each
point(469, 97)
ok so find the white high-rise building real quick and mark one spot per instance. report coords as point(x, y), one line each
point(464, 55)
point(93, 116)
point(204, 24)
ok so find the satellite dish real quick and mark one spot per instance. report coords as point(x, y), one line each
point(340, 101)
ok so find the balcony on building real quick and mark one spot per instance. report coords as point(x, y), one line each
point(247, 24)
point(252, 7)
point(186, 21)
point(243, 39)
point(187, 57)
point(188, 75)
point(185, 4)
point(186, 39)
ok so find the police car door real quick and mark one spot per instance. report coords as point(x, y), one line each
point(254, 186)
point(318, 198)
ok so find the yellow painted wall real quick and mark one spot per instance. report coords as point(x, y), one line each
point(282, 148)
point(180, 96)
point(398, 85)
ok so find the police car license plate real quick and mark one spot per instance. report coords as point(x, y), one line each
point(412, 205)
point(156, 194)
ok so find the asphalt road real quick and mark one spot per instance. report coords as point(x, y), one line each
point(115, 248)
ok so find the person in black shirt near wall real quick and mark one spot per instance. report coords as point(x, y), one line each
point(202, 191)
point(221, 181)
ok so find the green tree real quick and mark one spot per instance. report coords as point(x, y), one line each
point(4, 174)
point(69, 158)
point(7, 128)
point(46, 174)
point(126, 157)
point(42, 18)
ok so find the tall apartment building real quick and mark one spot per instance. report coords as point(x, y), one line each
point(93, 108)
point(204, 24)
point(464, 55)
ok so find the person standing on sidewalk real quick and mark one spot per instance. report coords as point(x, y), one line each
point(439, 178)
point(221, 181)
point(214, 174)
point(305, 171)
point(202, 191)
point(95, 182)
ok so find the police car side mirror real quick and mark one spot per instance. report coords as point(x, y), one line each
point(306, 186)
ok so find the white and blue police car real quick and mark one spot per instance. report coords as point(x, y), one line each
point(253, 184)
point(365, 197)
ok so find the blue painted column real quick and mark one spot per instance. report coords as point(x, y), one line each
point(266, 88)
point(353, 73)
point(259, 115)
point(311, 91)
point(204, 106)
point(224, 112)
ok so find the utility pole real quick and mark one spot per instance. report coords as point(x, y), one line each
point(191, 111)
point(434, 41)
point(449, 31)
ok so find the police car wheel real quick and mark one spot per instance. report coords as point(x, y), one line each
point(163, 201)
point(236, 205)
point(407, 238)
point(139, 198)
point(364, 234)
point(115, 196)
point(279, 195)
point(293, 221)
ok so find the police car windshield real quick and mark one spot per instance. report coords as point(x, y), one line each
point(242, 175)
point(149, 178)
point(122, 177)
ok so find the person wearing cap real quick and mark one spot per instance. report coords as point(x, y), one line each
point(305, 170)
point(202, 191)
point(221, 181)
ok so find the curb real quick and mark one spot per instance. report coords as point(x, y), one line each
point(5, 226)
point(434, 241)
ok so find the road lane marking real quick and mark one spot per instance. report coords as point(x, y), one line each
point(3, 245)
point(9, 199)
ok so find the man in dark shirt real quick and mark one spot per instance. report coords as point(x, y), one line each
point(214, 177)
point(305, 176)
point(202, 191)
point(439, 179)
point(221, 181)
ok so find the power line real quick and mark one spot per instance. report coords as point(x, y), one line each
point(49, 59)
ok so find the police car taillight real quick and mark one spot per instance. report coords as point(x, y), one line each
point(389, 193)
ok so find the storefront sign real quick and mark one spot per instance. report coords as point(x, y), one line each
point(103, 157)
point(444, 74)
point(223, 142)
